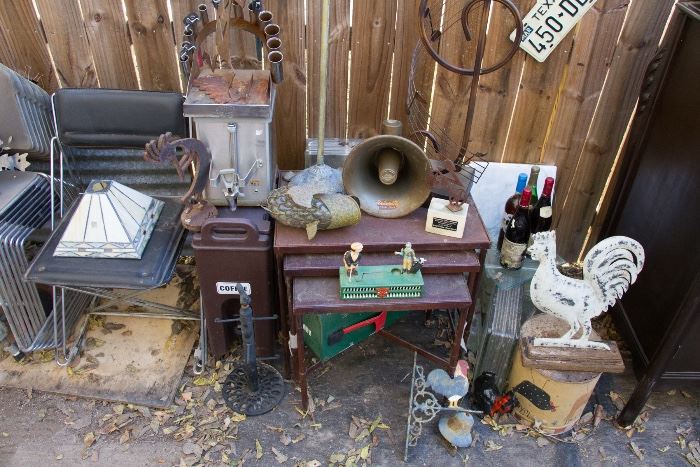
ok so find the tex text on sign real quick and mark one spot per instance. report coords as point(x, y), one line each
point(548, 23)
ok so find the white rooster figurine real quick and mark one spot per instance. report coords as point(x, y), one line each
point(608, 270)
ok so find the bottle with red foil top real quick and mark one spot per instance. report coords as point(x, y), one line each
point(541, 217)
point(517, 234)
point(510, 207)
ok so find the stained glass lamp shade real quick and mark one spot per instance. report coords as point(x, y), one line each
point(111, 221)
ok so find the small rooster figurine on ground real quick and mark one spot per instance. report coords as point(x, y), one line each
point(608, 270)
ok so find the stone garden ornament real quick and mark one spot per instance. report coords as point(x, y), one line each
point(608, 270)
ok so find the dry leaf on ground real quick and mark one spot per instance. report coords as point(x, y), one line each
point(639, 452)
point(258, 450)
point(492, 446)
point(617, 400)
point(89, 439)
point(279, 457)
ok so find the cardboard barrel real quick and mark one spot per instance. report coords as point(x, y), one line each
point(555, 399)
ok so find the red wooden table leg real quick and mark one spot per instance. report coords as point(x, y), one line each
point(284, 321)
point(456, 343)
point(473, 288)
point(292, 328)
point(301, 365)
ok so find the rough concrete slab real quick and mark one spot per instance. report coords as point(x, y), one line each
point(367, 381)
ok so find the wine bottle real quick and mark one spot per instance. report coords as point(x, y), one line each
point(511, 206)
point(517, 234)
point(532, 184)
point(541, 218)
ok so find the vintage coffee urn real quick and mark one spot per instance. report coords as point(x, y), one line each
point(238, 135)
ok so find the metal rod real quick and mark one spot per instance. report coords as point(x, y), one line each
point(480, 45)
point(275, 58)
point(274, 43)
point(188, 36)
point(271, 30)
point(248, 338)
point(203, 13)
point(264, 18)
point(185, 66)
point(323, 91)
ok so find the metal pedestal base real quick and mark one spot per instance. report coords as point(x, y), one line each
point(240, 398)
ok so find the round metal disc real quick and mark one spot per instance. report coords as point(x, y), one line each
point(241, 399)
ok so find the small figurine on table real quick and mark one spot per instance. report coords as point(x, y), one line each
point(411, 264)
point(351, 259)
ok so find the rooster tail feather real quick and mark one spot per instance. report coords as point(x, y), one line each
point(611, 266)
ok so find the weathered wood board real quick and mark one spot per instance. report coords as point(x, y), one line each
point(572, 359)
point(132, 360)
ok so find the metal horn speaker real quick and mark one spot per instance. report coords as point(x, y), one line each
point(387, 173)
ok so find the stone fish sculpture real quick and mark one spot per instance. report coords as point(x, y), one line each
point(310, 207)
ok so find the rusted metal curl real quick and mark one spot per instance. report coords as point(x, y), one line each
point(453, 163)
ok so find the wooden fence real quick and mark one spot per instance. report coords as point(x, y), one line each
point(571, 111)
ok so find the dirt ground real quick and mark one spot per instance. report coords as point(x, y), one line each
point(369, 382)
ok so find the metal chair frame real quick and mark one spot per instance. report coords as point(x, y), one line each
point(63, 355)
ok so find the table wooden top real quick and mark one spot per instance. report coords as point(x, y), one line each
point(436, 262)
point(322, 295)
point(377, 234)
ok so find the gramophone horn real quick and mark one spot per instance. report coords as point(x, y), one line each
point(387, 173)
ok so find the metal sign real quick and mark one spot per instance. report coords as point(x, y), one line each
point(548, 23)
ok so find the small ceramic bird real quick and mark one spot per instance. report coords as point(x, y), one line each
point(452, 388)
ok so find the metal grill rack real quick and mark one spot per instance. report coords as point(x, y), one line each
point(25, 205)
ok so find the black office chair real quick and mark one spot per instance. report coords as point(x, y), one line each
point(102, 133)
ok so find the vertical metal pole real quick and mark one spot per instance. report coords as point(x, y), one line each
point(480, 46)
point(325, 13)
point(248, 339)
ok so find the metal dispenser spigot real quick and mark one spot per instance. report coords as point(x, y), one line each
point(252, 388)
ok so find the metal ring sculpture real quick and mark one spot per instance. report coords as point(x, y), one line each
point(428, 41)
point(452, 162)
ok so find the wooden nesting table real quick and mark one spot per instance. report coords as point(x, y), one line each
point(308, 278)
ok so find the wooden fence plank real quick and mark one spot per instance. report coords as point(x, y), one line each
point(451, 97)
point(67, 39)
point(26, 47)
point(153, 44)
point(338, 46)
point(244, 48)
point(638, 42)
point(373, 33)
point(108, 37)
point(290, 109)
point(498, 90)
point(539, 88)
point(407, 36)
point(6, 57)
point(588, 66)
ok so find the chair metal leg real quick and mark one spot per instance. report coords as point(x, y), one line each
point(201, 354)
